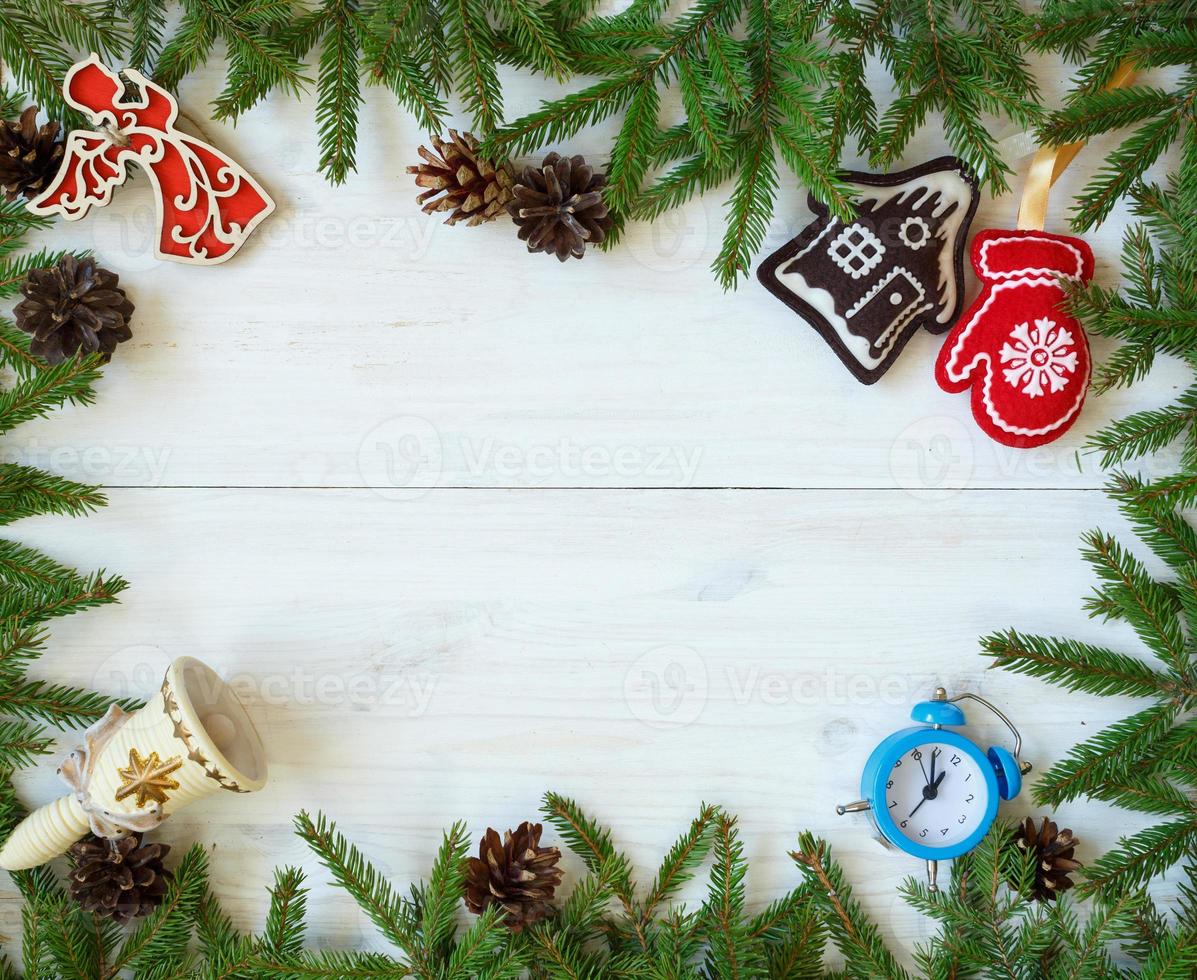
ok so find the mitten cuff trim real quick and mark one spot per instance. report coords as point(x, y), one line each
point(1005, 258)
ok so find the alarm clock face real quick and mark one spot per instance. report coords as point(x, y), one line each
point(937, 794)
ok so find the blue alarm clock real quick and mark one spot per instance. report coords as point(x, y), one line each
point(931, 791)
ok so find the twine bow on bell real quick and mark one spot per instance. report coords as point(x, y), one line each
point(76, 772)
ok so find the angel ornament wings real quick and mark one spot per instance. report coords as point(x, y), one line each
point(207, 205)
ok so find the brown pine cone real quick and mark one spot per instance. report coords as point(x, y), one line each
point(460, 181)
point(29, 155)
point(517, 873)
point(119, 879)
point(559, 207)
point(1054, 849)
point(73, 306)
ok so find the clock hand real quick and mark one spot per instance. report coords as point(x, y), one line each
point(931, 778)
point(930, 791)
point(924, 768)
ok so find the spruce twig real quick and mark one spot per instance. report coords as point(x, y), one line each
point(1147, 761)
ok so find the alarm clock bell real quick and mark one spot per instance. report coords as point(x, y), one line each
point(933, 792)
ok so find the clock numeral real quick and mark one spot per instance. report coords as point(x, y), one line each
point(903, 823)
point(916, 755)
point(944, 832)
point(968, 777)
point(898, 763)
point(890, 784)
point(963, 817)
point(955, 760)
point(892, 804)
point(923, 832)
point(969, 798)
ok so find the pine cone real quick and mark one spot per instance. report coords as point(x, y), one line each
point(119, 879)
point(559, 207)
point(1054, 849)
point(459, 181)
point(73, 306)
point(517, 873)
point(29, 156)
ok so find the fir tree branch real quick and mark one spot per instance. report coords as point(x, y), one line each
point(60, 598)
point(59, 705)
point(393, 915)
point(84, 25)
point(1173, 954)
point(679, 865)
point(226, 953)
point(27, 492)
point(445, 890)
point(21, 744)
point(259, 60)
point(1145, 604)
point(338, 90)
point(285, 927)
point(853, 934)
point(1108, 33)
point(592, 844)
point(484, 949)
point(1111, 754)
point(147, 27)
point(51, 387)
point(734, 951)
point(1080, 667)
point(335, 965)
point(1141, 856)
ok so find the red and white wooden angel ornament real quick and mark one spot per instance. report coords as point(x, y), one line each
point(207, 205)
point(1024, 356)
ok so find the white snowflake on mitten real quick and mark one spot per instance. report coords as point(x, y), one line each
point(1039, 356)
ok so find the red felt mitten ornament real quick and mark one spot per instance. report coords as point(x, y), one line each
point(1024, 357)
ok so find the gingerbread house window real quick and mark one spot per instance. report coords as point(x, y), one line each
point(856, 250)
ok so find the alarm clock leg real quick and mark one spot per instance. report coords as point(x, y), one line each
point(856, 807)
point(932, 875)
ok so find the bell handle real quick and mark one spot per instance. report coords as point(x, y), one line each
point(43, 835)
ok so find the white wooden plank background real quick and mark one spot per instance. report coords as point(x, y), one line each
point(447, 513)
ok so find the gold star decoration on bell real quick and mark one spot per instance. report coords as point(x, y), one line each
point(148, 778)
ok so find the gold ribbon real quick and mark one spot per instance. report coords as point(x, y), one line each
point(1051, 161)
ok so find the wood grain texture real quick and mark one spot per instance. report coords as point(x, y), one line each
point(462, 525)
point(411, 662)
